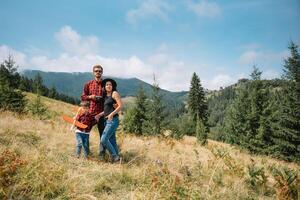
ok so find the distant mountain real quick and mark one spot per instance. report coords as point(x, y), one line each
point(72, 83)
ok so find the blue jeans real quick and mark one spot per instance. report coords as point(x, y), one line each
point(108, 138)
point(82, 140)
point(100, 130)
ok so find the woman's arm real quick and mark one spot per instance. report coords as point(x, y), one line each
point(117, 98)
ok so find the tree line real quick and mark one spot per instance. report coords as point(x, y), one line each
point(150, 115)
point(262, 116)
point(12, 84)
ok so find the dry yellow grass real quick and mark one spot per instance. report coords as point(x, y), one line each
point(152, 167)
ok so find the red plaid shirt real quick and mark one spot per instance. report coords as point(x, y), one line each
point(87, 119)
point(93, 87)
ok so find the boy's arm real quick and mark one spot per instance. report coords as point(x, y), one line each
point(97, 117)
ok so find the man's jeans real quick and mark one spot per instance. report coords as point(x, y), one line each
point(100, 130)
point(82, 140)
point(108, 139)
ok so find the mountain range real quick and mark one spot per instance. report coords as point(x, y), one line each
point(72, 84)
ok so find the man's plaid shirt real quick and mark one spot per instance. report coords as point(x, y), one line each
point(93, 87)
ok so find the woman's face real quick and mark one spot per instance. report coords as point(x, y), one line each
point(108, 86)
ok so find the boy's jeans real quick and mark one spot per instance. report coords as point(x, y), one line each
point(82, 140)
point(108, 139)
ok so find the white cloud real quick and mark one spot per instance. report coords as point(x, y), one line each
point(262, 57)
point(147, 9)
point(220, 80)
point(249, 57)
point(74, 43)
point(270, 74)
point(204, 8)
point(19, 57)
point(174, 76)
point(171, 73)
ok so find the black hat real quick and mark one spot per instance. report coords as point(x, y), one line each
point(113, 82)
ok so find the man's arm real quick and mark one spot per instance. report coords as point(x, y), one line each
point(85, 92)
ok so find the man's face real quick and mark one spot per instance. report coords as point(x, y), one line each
point(98, 72)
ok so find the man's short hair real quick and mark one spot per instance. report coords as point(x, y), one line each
point(97, 66)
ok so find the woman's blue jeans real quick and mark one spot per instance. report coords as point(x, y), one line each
point(108, 138)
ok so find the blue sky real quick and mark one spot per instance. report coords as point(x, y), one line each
point(219, 40)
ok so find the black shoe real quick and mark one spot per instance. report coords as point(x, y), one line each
point(102, 156)
point(115, 159)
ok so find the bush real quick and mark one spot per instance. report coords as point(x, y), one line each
point(182, 126)
point(38, 109)
point(11, 99)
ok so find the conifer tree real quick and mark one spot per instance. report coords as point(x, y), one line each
point(37, 84)
point(53, 93)
point(259, 100)
point(236, 121)
point(197, 104)
point(135, 117)
point(10, 97)
point(156, 114)
point(140, 111)
point(201, 132)
point(245, 115)
point(287, 136)
point(37, 107)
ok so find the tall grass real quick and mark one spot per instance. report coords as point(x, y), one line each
point(37, 162)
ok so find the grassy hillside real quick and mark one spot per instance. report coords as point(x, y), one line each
point(37, 162)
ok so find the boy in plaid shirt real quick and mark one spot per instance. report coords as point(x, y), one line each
point(82, 134)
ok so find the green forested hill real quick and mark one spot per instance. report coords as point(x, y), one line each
point(220, 101)
point(72, 84)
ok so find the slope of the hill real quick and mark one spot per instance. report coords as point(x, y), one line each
point(37, 162)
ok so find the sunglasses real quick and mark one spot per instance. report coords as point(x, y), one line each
point(96, 71)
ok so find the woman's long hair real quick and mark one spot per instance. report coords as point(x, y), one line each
point(114, 88)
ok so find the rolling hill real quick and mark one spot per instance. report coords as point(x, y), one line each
point(72, 83)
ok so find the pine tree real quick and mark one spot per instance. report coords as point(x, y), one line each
point(201, 133)
point(256, 74)
point(259, 100)
point(236, 121)
point(135, 117)
point(37, 108)
point(37, 83)
point(245, 115)
point(10, 97)
point(287, 136)
point(9, 73)
point(156, 114)
point(140, 111)
point(197, 104)
point(268, 125)
point(52, 93)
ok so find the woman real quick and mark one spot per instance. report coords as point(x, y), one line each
point(111, 97)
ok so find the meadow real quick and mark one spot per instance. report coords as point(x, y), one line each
point(37, 161)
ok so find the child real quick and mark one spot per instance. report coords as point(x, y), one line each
point(82, 135)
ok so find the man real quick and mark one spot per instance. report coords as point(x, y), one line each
point(92, 92)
